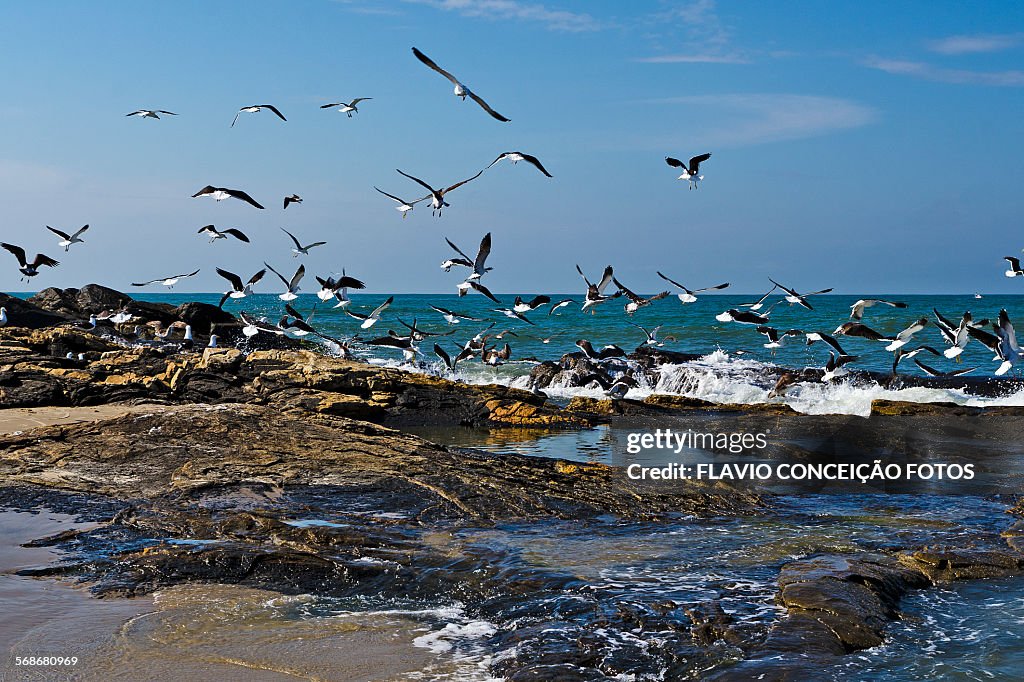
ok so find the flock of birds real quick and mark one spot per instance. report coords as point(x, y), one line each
point(1001, 341)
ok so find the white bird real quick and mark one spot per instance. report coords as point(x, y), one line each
point(652, 334)
point(742, 316)
point(800, 299)
point(26, 268)
point(689, 295)
point(68, 239)
point(636, 301)
point(238, 290)
point(521, 306)
point(834, 366)
point(291, 285)
point(472, 285)
point(338, 288)
point(1008, 349)
point(957, 335)
point(516, 157)
point(371, 319)
point(222, 193)
point(254, 326)
point(3, 317)
point(150, 113)
point(775, 337)
point(595, 292)
point(346, 107)
point(508, 312)
point(904, 337)
point(437, 201)
point(403, 205)
point(1015, 269)
point(460, 89)
point(255, 108)
point(477, 265)
point(759, 303)
point(691, 171)
point(299, 248)
point(857, 309)
point(213, 341)
point(168, 282)
point(216, 234)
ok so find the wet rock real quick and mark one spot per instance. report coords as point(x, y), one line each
point(944, 565)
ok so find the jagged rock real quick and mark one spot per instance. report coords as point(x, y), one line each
point(95, 298)
point(943, 565)
point(22, 313)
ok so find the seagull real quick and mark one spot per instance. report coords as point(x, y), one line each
point(689, 173)
point(801, 299)
point(606, 353)
point(238, 290)
point(595, 292)
point(253, 326)
point(299, 248)
point(292, 199)
point(861, 330)
point(635, 300)
point(255, 108)
point(168, 282)
point(932, 372)
point(222, 193)
point(901, 355)
point(469, 284)
point(1015, 268)
point(346, 108)
point(150, 113)
point(1008, 350)
point(775, 337)
point(835, 364)
point(813, 337)
point(403, 205)
point(742, 316)
point(561, 304)
point(508, 312)
point(404, 343)
point(3, 317)
point(299, 325)
point(338, 288)
point(29, 269)
point(688, 294)
point(652, 334)
point(436, 196)
point(477, 264)
point(857, 309)
point(371, 319)
point(213, 341)
point(68, 239)
point(521, 306)
point(291, 285)
point(759, 303)
point(453, 317)
point(516, 157)
point(955, 335)
point(460, 89)
point(216, 234)
point(445, 358)
point(474, 346)
point(904, 337)
point(418, 334)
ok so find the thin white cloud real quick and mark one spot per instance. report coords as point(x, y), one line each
point(691, 32)
point(499, 10)
point(745, 119)
point(969, 44)
point(1012, 78)
point(695, 59)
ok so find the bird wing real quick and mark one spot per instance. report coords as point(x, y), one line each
point(382, 307)
point(416, 180)
point(239, 194)
point(332, 104)
point(484, 290)
point(237, 234)
point(1014, 262)
point(257, 277)
point(675, 163)
point(696, 161)
point(294, 240)
point(279, 275)
point(459, 184)
point(357, 100)
point(482, 253)
point(445, 358)
point(62, 235)
point(235, 280)
point(583, 276)
point(672, 282)
point(293, 312)
point(389, 196)
point(815, 293)
point(81, 230)
point(535, 162)
point(350, 283)
point(293, 284)
point(235, 119)
point(169, 113)
point(486, 107)
point(629, 294)
point(500, 157)
point(310, 246)
point(18, 252)
point(930, 371)
point(209, 189)
point(539, 301)
point(274, 109)
point(606, 279)
point(42, 259)
point(430, 62)
point(715, 288)
point(459, 251)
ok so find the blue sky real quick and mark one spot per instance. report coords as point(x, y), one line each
point(869, 146)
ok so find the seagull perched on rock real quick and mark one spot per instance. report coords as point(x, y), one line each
point(690, 171)
point(460, 89)
point(238, 290)
point(690, 295)
point(29, 269)
point(256, 108)
point(516, 157)
point(371, 319)
point(299, 248)
point(168, 282)
point(346, 107)
point(595, 292)
point(150, 113)
point(291, 285)
point(66, 240)
point(857, 309)
point(216, 234)
point(292, 199)
point(437, 201)
point(222, 193)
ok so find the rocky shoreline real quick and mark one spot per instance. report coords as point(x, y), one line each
point(219, 452)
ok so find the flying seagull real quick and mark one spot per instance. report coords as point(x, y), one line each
point(775, 337)
point(690, 172)
point(437, 202)
point(932, 372)
point(346, 107)
point(801, 299)
point(168, 282)
point(68, 239)
point(652, 334)
point(403, 205)
point(521, 306)
point(338, 288)
point(900, 355)
point(238, 290)
point(516, 157)
point(222, 193)
point(255, 108)
point(452, 317)
point(759, 303)
point(292, 199)
point(606, 353)
point(460, 89)
point(1015, 269)
point(861, 330)
point(637, 301)
point(689, 295)
point(561, 304)
point(371, 319)
point(834, 365)
point(216, 234)
point(956, 335)
point(813, 337)
point(508, 312)
point(905, 336)
point(29, 269)
point(595, 292)
point(291, 285)
point(1008, 349)
point(742, 316)
point(299, 248)
point(150, 113)
point(465, 287)
point(477, 264)
point(857, 309)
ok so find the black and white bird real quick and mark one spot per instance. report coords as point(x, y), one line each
point(291, 285)
point(609, 352)
point(471, 285)
point(452, 317)
point(256, 108)
point(742, 316)
point(478, 265)
point(150, 113)
point(1008, 350)
point(857, 309)
point(406, 344)
point(436, 196)
point(371, 319)
point(298, 248)
point(168, 282)
point(759, 303)
point(900, 355)
point(516, 157)
point(690, 295)
point(690, 171)
point(834, 366)
point(460, 89)
point(814, 337)
point(216, 234)
point(861, 330)
point(66, 240)
point(295, 322)
point(636, 301)
point(1015, 269)
point(26, 268)
point(448, 361)
point(521, 306)
point(253, 325)
point(932, 372)
point(595, 292)
point(346, 107)
point(800, 299)
point(238, 290)
point(403, 205)
point(561, 304)
point(515, 315)
point(651, 334)
point(222, 193)
point(337, 288)
point(905, 336)
point(956, 335)
point(775, 337)
point(292, 199)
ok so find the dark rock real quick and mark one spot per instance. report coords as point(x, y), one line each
point(22, 313)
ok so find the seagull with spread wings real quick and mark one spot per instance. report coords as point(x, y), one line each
point(222, 193)
point(690, 171)
point(689, 295)
point(346, 107)
point(460, 89)
point(595, 292)
point(29, 269)
point(403, 205)
point(150, 113)
point(238, 290)
point(291, 285)
point(436, 196)
point(168, 282)
point(516, 157)
point(216, 234)
point(68, 239)
point(299, 248)
point(256, 108)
